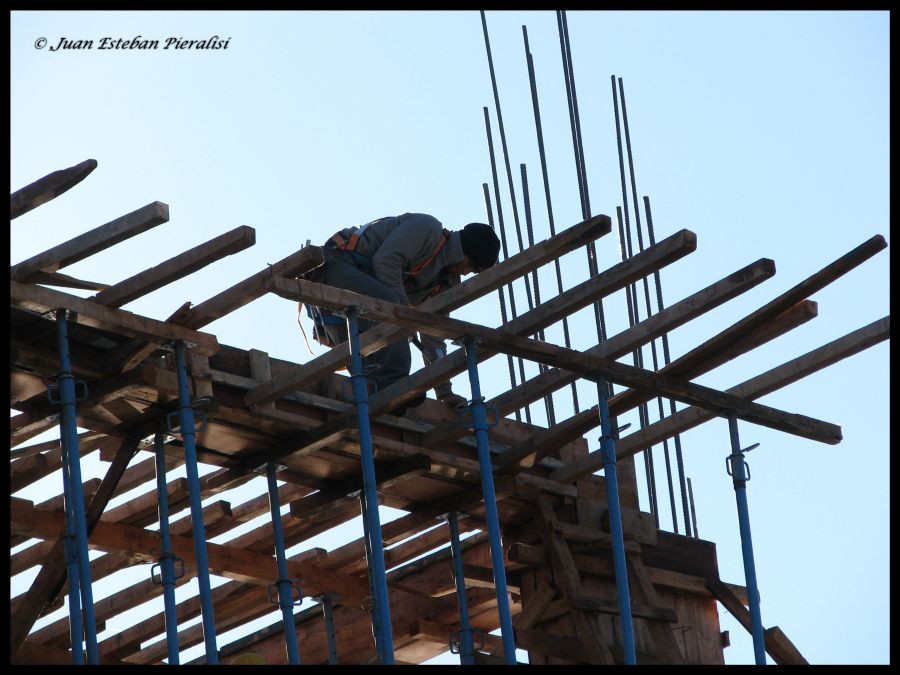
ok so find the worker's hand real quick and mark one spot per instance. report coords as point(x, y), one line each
point(453, 400)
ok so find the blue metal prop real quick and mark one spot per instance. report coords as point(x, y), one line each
point(384, 640)
point(186, 423)
point(739, 470)
point(480, 426)
point(285, 588)
point(166, 559)
point(608, 453)
point(466, 645)
point(75, 495)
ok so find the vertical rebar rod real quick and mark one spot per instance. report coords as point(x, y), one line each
point(285, 588)
point(740, 474)
point(575, 121)
point(630, 289)
point(466, 645)
point(666, 360)
point(646, 284)
point(540, 139)
point(479, 423)
point(509, 286)
point(328, 617)
point(608, 454)
point(509, 178)
point(548, 399)
point(69, 438)
point(490, 216)
point(632, 320)
point(690, 490)
point(384, 639)
point(166, 562)
point(186, 422)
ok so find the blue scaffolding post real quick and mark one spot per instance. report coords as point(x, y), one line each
point(739, 470)
point(328, 617)
point(608, 454)
point(381, 618)
point(466, 644)
point(185, 415)
point(480, 426)
point(76, 631)
point(77, 524)
point(285, 585)
point(166, 557)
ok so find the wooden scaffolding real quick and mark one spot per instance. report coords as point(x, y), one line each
point(257, 409)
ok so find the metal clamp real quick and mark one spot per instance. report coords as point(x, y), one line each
point(172, 427)
point(277, 599)
point(165, 555)
point(55, 385)
point(729, 462)
point(456, 639)
point(488, 410)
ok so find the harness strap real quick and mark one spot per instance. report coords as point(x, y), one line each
point(445, 237)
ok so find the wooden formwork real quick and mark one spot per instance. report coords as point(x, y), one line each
point(260, 409)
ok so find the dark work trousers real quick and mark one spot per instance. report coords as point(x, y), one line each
point(393, 361)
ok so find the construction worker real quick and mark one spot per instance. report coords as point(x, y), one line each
point(405, 260)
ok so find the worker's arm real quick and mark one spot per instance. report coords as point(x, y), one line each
point(408, 245)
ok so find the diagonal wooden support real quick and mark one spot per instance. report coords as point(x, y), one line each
point(52, 576)
point(568, 579)
point(49, 187)
point(644, 593)
point(588, 365)
point(453, 298)
point(778, 646)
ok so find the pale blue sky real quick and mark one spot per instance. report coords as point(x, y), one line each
point(765, 133)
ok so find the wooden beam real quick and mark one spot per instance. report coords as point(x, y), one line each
point(49, 187)
point(734, 333)
point(451, 299)
point(90, 313)
point(588, 365)
point(763, 384)
point(85, 245)
point(177, 267)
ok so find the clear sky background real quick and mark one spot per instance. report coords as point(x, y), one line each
point(765, 133)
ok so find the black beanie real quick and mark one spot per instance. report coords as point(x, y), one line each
point(480, 244)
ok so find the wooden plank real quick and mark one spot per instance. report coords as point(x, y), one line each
point(118, 320)
point(451, 299)
point(177, 267)
point(588, 365)
point(644, 593)
point(49, 187)
point(85, 245)
point(757, 319)
point(546, 441)
point(260, 370)
point(772, 380)
point(251, 288)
